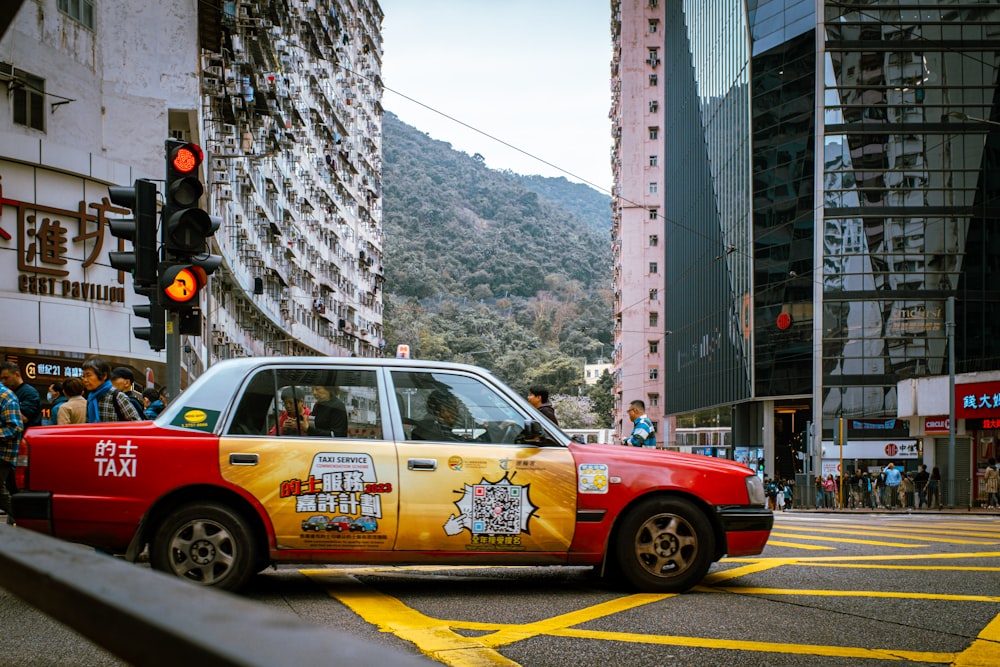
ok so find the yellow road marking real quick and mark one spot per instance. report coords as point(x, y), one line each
point(882, 557)
point(436, 637)
point(793, 545)
point(923, 568)
point(736, 572)
point(433, 637)
point(852, 594)
point(985, 650)
point(764, 647)
point(964, 531)
point(878, 533)
point(846, 540)
point(547, 626)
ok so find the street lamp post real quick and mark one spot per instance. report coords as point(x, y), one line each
point(949, 323)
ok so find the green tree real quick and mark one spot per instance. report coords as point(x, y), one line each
point(603, 398)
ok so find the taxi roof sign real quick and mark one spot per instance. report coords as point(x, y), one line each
point(402, 351)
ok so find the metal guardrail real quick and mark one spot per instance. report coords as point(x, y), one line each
point(146, 617)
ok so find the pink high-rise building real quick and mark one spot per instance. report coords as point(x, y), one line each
point(637, 229)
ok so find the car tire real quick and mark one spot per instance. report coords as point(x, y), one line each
point(664, 545)
point(206, 543)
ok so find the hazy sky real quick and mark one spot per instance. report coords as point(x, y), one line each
point(532, 73)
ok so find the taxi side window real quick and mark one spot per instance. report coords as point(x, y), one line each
point(310, 403)
point(449, 407)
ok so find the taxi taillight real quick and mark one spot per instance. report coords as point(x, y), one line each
point(21, 471)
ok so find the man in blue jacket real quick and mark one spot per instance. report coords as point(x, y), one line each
point(643, 433)
point(893, 478)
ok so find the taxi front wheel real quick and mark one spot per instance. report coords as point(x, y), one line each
point(206, 543)
point(664, 545)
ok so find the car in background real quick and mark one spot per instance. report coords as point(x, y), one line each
point(423, 462)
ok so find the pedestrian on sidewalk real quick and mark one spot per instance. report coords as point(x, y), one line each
point(893, 479)
point(934, 489)
point(11, 430)
point(991, 484)
point(920, 481)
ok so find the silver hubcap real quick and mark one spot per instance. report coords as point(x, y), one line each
point(202, 551)
point(666, 545)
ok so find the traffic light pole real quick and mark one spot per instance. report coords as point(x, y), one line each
point(173, 356)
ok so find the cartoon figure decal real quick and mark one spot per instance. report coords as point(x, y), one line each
point(496, 513)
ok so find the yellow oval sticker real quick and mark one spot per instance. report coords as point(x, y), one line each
point(195, 416)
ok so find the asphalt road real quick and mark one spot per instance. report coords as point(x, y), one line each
point(830, 589)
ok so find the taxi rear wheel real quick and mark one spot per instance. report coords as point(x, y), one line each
point(664, 545)
point(206, 543)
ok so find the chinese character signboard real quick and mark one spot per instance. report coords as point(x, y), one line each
point(57, 245)
point(977, 400)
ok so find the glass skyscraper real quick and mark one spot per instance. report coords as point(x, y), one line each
point(830, 181)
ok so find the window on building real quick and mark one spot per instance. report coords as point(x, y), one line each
point(653, 80)
point(81, 11)
point(653, 160)
point(654, 25)
point(654, 213)
point(654, 106)
point(654, 294)
point(654, 240)
point(654, 132)
point(654, 373)
point(654, 346)
point(652, 400)
point(653, 268)
point(654, 319)
point(652, 187)
point(29, 100)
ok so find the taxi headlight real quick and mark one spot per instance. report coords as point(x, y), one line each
point(755, 490)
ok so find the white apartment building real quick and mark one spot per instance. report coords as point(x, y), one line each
point(284, 98)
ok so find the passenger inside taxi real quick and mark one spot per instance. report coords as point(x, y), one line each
point(329, 414)
point(294, 419)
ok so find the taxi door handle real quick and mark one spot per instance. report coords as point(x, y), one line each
point(422, 464)
point(243, 459)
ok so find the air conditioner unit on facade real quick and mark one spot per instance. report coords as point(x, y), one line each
point(226, 194)
point(222, 177)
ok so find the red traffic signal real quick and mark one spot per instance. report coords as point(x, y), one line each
point(183, 187)
point(186, 158)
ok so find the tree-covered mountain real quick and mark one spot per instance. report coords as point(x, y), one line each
point(510, 272)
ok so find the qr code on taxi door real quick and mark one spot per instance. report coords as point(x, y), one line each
point(496, 509)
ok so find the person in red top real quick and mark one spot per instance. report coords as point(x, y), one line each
point(294, 419)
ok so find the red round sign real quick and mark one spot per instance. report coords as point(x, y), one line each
point(891, 449)
point(784, 321)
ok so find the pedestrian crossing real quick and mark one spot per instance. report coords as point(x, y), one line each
point(830, 533)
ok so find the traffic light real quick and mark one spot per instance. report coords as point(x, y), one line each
point(184, 231)
point(142, 261)
point(156, 332)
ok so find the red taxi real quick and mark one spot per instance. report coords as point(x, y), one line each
point(334, 460)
